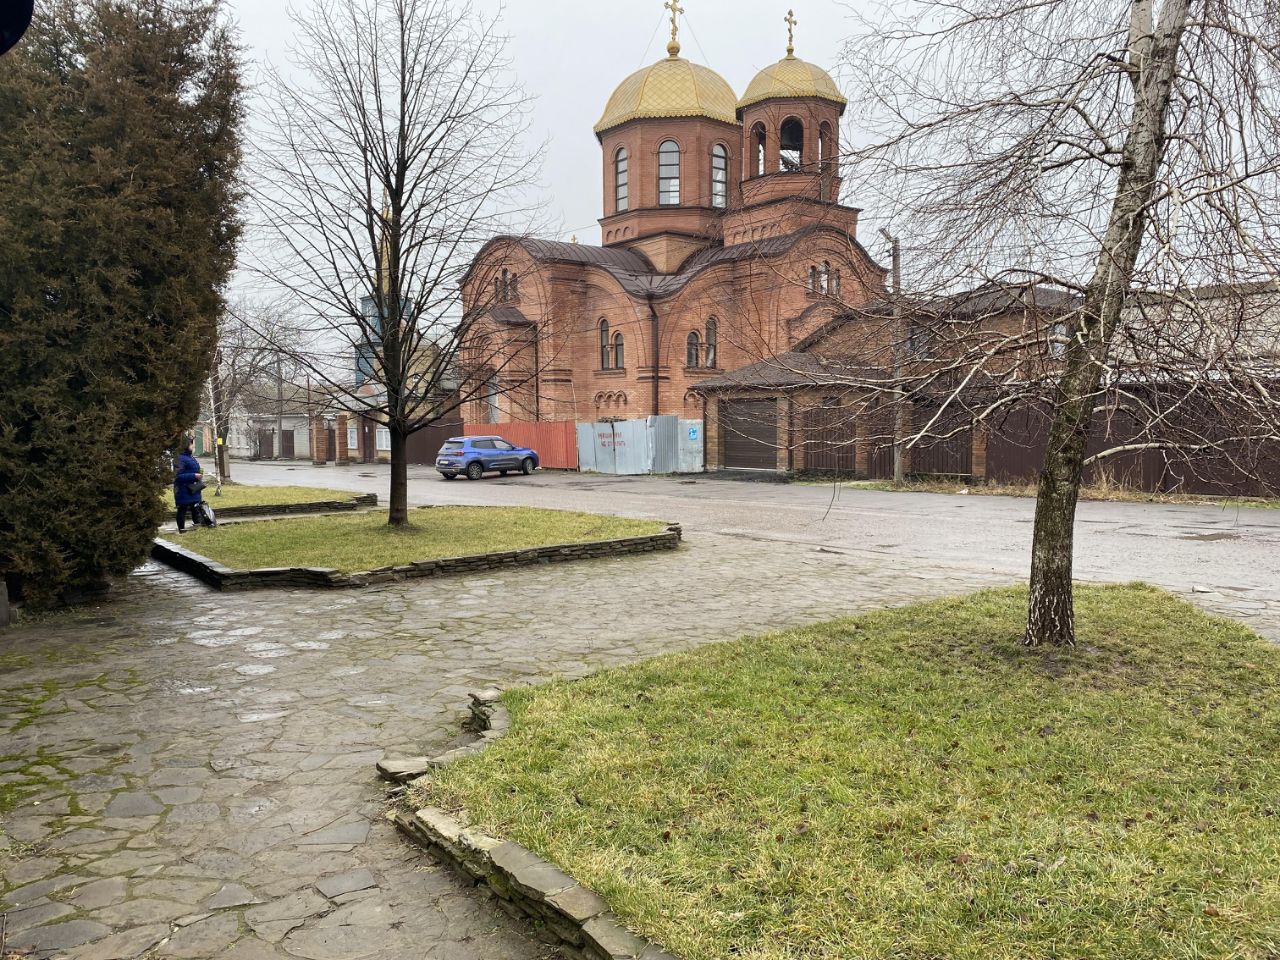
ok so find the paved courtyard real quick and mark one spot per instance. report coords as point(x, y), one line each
point(202, 763)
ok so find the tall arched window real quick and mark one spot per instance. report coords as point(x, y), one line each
point(693, 350)
point(619, 357)
point(712, 329)
point(604, 345)
point(835, 283)
point(813, 279)
point(791, 146)
point(620, 180)
point(719, 176)
point(668, 174)
point(825, 278)
point(513, 288)
point(757, 148)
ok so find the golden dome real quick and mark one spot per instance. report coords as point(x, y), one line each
point(673, 87)
point(792, 77)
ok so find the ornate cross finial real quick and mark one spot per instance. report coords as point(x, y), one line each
point(673, 48)
point(791, 21)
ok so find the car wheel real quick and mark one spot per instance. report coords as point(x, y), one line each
point(526, 466)
point(448, 476)
point(474, 470)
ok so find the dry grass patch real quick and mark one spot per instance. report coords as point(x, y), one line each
point(915, 784)
point(364, 541)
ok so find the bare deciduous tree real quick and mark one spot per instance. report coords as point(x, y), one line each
point(390, 157)
point(1125, 152)
point(256, 343)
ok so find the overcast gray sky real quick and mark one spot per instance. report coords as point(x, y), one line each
point(571, 55)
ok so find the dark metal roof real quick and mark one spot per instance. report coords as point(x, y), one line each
point(637, 276)
point(791, 370)
point(510, 316)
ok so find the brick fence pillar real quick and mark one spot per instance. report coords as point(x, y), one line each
point(978, 464)
point(711, 434)
point(319, 442)
point(343, 455)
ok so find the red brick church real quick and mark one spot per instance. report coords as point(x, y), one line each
point(723, 242)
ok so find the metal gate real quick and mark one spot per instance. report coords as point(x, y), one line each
point(750, 431)
point(830, 439)
point(287, 445)
point(265, 437)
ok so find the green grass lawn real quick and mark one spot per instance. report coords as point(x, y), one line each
point(242, 495)
point(363, 541)
point(915, 784)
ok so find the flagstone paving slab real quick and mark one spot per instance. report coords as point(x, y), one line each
point(192, 809)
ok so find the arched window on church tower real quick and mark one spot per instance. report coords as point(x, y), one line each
point(813, 279)
point(604, 345)
point(824, 279)
point(757, 148)
point(620, 179)
point(693, 350)
point(619, 357)
point(669, 174)
point(791, 146)
point(719, 176)
point(712, 332)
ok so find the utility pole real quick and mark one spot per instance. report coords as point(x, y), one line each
point(899, 349)
point(279, 451)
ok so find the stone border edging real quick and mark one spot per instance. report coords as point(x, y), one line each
point(564, 913)
point(227, 579)
point(310, 506)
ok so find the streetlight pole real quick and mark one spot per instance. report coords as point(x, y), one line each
point(899, 349)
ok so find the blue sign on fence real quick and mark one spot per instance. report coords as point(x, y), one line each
point(693, 433)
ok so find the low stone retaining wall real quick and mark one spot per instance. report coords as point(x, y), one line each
point(313, 506)
point(563, 912)
point(270, 578)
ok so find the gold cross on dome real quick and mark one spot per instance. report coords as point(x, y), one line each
point(791, 21)
point(673, 47)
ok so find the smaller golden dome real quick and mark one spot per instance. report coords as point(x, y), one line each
point(792, 77)
point(673, 87)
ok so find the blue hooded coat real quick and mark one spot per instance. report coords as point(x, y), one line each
point(187, 467)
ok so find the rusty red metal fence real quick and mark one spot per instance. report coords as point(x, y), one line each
point(556, 441)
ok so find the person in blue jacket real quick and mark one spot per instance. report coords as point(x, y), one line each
point(187, 474)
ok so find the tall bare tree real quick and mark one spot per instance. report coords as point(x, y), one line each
point(1124, 151)
point(392, 152)
point(257, 343)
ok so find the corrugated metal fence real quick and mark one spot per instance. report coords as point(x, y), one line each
point(556, 441)
point(633, 447)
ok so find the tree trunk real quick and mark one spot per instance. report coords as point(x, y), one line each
point(398, 514)
point(1051, 610)
point(220, 451)
point(1153, 57)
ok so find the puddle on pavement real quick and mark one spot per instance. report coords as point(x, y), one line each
point(1210, 537)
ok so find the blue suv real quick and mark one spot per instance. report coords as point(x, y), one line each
point(474, 456)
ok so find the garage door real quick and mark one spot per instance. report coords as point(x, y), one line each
point(750, 430)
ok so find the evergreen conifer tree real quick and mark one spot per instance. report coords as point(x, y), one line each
point(120, 140)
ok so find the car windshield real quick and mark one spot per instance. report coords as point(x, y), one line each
point(451, 445)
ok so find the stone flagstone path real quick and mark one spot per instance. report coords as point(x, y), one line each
point(196, 769)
